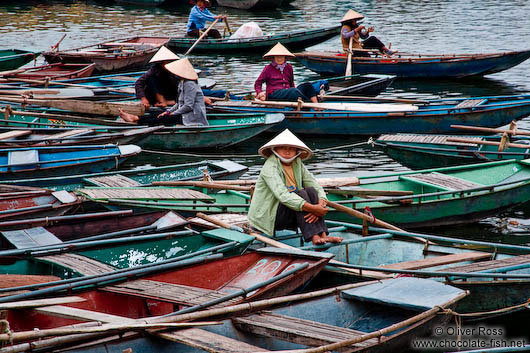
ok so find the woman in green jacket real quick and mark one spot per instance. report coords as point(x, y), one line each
point(287, 196)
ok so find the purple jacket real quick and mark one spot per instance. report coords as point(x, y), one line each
point(274, 79)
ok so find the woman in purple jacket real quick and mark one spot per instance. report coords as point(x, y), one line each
point(279, 79)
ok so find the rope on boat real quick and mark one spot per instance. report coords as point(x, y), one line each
point(243, 155)
point(487, 313)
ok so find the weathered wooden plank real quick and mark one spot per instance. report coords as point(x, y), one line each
point(438, 261)
point(116, 180)
point(209, 341)
point(469, 103)
point(14, 134)
point(444, 181)
point(68, 133)
point(82, 314)
point(295, 330)
point(234, 219)
point(147, 193)
point(30, 237)
point(82, 264)
point(489, 265)
point(31, 304)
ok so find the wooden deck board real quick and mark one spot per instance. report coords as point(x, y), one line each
point(147, 193)
point(82, 314)
point(210, 342)
point(306, 332)
point(13, 134)
point(434, 139)
point(489, 265)
point(82, 264)
point(444, 181)
point(439, 260)
point(116, 180)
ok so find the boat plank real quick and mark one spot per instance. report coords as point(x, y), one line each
point(489, 265)
point(300, 331)
point(116, 180)
point(444, 181)
point(439, 260)
point(69, 133)
point(13, 134)
point(209, 341)
point(147, 193)
point(82, 314)
point(31, 304)
point(30, 237)
point(82, 264)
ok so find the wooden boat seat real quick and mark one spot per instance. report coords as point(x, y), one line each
point(440, 181)
point(439, 260)
point(79, 263)
point(30, 237)
point(305, 332)
point(13, 134)
point(489, 265)
point(148, 194)
point(209, 341)
point(116, 180)
point(169, 292)
point(469, 103)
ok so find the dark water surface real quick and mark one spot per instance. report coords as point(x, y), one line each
point(436, 26)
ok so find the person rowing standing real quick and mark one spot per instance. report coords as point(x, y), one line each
point(199, 14)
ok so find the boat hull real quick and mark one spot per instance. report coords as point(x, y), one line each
point(11, 59)
point(416, 66)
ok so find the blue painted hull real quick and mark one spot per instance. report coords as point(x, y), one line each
point(417, 66)
point(427, 119)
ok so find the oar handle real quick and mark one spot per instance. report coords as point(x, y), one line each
point(202, 36)
point(355, 213)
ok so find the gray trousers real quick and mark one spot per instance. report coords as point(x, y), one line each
point(287, 218)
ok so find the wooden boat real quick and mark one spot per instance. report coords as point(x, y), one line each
point(368, 317)
point(31, 162)
point(26, 203)
point(11, 59)
point(36, 137)
point(424, 198)
point(123, 54)
point(141, 2)
point(408, 65)
point(250, 4)
point(292, 40)
point(374, 118)
point(52, 72)
point(145, 175)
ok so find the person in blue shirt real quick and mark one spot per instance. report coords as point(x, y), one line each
point(199, 14)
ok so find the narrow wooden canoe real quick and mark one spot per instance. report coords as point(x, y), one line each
point(250, 4)
point(145, 176)
point(11, 59)
point(292, 40)
point(430, 197)
point(53, 72)
point(415, 65)
point(378, 118)
point(31, 162)
point(431, 151)
point(121, 54)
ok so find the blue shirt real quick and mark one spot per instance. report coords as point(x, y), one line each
point(198, 18)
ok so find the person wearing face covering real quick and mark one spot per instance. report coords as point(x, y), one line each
point(279, 79)
point(287, 196)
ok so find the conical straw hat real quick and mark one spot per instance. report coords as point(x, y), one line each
point(286, 138)
point(164, 54)
point(352, 15)
point(279, 50)
point(182, 68)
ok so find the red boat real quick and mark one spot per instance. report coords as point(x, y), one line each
point(57, 71)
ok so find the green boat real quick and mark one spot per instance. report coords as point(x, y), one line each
point(11, 59)
point(425, 198)
point(418, 151)
point(224, 129)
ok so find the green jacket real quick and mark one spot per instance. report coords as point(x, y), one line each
point(271, 190)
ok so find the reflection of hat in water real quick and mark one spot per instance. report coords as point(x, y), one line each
point(182, 68)
point(164, 54)
point(278, 50)
point(352, 15)
point(286, 138)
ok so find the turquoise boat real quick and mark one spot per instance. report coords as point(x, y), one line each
point(418, 151)
point(424, 198)
point(11, 59)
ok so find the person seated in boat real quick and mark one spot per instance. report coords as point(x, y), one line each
point(279, 79)
point(287, 196)
point(189, 109)
point(157, 87)
point(199, 14)
point(352, 29)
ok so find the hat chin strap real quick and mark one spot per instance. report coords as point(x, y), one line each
point(285, 160)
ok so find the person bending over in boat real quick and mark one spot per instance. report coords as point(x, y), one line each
point(157, 87)
point(286, 195)
point(189, 109)
point(199, 14)
point(279, 79)
point(352, 29)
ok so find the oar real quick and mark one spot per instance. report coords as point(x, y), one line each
point(348, 64)
point(356, 98)
point(55, 47)
point(227, 26)
point(491, 130)
point(489, 143)
point(202, 184)
point(324, 182)
point(355, 213)
point(202, 36)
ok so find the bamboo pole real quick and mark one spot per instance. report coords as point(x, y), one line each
point(324, 182)
point(491, 130)
point(355, 213)
point(202, 184)
point(489, 143)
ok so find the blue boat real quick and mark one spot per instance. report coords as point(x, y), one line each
point(431, 117)
point(34, 162)
point(407, 65)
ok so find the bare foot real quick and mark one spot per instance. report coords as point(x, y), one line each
point(331, 239)
point(317, 240)
point(128, 117)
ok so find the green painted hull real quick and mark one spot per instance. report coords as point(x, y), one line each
point(418, 155)
point(11, 59)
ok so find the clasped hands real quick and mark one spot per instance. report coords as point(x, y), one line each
point(315, 211)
